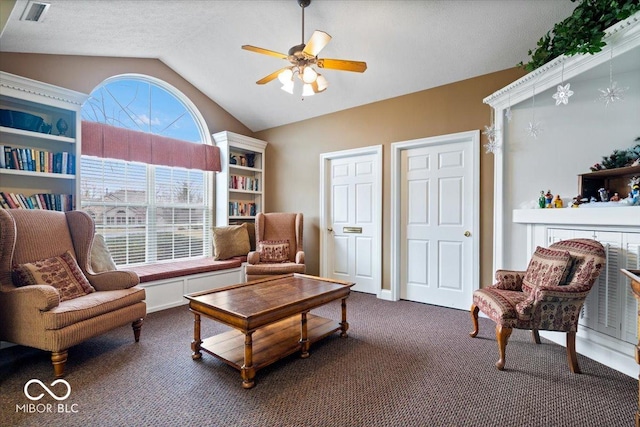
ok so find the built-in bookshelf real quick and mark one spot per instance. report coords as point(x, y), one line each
point(240, 184)
point(40, 140)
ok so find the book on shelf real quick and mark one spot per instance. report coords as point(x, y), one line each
point(242, 209)
point(47, 201)
point(31, 159)
point(241, 182)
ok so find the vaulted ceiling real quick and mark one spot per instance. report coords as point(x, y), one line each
point(408, 46)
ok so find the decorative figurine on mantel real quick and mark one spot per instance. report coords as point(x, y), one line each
point(548, 199)
point(541, 200)
point(575, 203)
point(615, 198)
point(557, 202)
point(604, 194)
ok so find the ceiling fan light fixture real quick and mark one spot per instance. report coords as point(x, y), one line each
point(322, 83)
point(288, 87)
point(309, 75)
point(285, 76)
point(307, 90)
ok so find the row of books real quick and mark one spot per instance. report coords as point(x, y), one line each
point(31, 159)
point(53, 202)
point(240, 182)
point(242, 209)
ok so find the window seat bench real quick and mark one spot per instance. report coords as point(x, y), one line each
point(166, 283)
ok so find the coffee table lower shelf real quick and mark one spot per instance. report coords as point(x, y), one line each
point(270, 343)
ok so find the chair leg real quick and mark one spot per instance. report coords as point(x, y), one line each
point(474, 319)
point(536, 336)
point(59, 359)
point(571, 353)
point(137, 326)
point(502, 336)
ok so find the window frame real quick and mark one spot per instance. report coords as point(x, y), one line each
point(208, 201)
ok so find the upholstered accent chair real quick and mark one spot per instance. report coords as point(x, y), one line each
point(548, 296)
point(278, 246)
point(41, 249)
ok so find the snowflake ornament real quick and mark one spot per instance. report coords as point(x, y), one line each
point(534, 129)
point(612, 93)
point(490, 132)
point(508, 114)
point(491, 147)
point(562, 94)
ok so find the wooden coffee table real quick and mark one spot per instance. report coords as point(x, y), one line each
point(270, 318)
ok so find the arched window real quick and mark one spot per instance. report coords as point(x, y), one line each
point(146, 175)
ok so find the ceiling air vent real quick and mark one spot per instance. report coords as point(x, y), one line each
point(35, 11)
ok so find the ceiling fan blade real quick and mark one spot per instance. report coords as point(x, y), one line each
point(342, 64)
point(270, 77)
point(264, 51)
point(317, 42)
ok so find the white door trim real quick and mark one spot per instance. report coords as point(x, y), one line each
point(325, 159)
point(396, 169)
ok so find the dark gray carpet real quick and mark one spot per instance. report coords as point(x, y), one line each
point(404, 364)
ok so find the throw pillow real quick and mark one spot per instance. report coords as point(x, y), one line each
point(61, 272)
point(230, 241)
point(251, 229)
point(546, 268)
point(274, 251)
point(100, 256)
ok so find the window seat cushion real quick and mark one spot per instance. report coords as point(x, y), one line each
point(168, 270)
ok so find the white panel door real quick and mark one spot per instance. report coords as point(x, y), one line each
point(437, 209)
point(353, 241)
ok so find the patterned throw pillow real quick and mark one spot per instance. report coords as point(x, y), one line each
point(61, 272)
point(546, 268)
point(230, 241)
point(274, 251)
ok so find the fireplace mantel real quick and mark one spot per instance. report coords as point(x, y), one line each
point(628, 216)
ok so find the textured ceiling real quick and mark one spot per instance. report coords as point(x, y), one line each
point(408, 45)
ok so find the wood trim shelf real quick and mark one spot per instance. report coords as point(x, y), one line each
point(37, 174)
point(36, 135)
point(270, 343)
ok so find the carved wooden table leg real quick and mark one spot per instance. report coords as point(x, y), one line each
point(247, 372)
point(344, 325)
point(195, 344)
point(304, 339)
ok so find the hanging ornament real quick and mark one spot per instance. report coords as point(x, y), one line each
point(563, 92)
point(613, 92)
point(533, 128)
point(491, 133)
point(491, 147)
point(507, 113)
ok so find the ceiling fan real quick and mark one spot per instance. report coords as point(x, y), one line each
point(302, 58)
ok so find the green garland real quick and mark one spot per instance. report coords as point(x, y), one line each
point(582, 32)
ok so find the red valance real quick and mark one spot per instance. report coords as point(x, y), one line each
point(112, 142)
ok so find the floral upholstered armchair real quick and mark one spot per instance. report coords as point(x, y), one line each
point(278, 246)
point(548, 296)
point(50, 297)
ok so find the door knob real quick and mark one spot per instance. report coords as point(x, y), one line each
point(467, 233)
point(329, 229)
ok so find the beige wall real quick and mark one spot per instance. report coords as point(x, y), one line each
point(293, 153)
point(292, 178)
point(83, 74)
